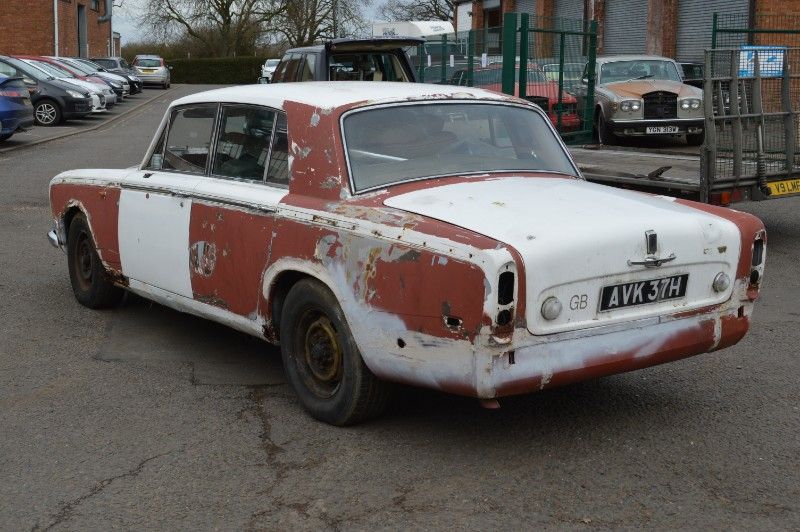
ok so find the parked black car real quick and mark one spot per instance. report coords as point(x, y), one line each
point(53, 100)
point(692, 74)
point(133, 80)
point(375, 59)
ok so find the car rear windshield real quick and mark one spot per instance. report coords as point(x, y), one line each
point(148, 63)
point(408, 142)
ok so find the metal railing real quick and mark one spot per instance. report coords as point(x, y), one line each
point(751, 118)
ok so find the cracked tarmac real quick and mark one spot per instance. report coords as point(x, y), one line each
point(144, 418)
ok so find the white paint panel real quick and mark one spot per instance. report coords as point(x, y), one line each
point(154, 240)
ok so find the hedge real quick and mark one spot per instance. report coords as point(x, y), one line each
point(217, 70)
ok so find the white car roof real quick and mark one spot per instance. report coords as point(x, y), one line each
point(335, 93)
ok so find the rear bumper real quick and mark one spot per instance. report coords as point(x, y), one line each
point(153, 79)
point(13, 121)
point(634, 128)
point(487, 369)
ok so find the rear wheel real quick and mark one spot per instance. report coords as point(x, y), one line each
point(90, 282)
point(47, 113)
point(321, 359)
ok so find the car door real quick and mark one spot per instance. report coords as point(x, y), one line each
point(233, 212)
point(156, 202)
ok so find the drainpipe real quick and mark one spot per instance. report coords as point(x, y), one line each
point(55, 26)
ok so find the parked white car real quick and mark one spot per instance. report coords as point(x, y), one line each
point(434, 235)
point(267, 69)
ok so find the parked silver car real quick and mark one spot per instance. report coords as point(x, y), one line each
point(152, 70)
point(644, 95)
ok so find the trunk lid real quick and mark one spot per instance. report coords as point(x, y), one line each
point(576, 238)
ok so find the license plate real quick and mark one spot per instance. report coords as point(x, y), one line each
point(660, 130)
point(783, 188)
point(643, 292)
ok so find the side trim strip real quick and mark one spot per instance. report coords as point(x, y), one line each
point(200, 197)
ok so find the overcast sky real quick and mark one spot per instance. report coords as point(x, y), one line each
point(125, 19)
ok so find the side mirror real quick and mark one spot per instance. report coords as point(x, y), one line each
point(170, 67)
point(28, 81)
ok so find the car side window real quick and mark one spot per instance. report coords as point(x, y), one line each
point(245, 133)
point(278, 169)
point(292, 67)
point(307, 70)
point(278, 75)
point(189, 138)
point(156, 161)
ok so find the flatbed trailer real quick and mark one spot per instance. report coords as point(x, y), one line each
point(752, 128)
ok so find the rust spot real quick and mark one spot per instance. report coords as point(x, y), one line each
point(412, 255)
point(211, 300)
point(203, 258)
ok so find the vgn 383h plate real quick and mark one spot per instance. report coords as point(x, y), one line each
point(643, 292)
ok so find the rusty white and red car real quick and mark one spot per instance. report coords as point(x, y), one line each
point(390, 232)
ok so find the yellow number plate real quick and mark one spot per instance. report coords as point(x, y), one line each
point(783, 188)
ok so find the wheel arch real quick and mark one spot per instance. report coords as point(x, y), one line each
point(279, 279)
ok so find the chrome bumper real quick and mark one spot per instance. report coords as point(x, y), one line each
point(57, 238)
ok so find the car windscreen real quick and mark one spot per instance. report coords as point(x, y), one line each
point(148, 63)
point(88, 64)
point(50, 69)
point(74, 65)
point(370, 66)
point(36, 74)
point(400, 143)
point(105, 63)
point(638, 69)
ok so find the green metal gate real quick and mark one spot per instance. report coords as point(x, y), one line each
point(551, 61)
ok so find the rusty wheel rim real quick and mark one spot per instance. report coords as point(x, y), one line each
point(321, 364)
point(84, 261)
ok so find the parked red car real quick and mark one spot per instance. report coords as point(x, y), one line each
point(490, 78)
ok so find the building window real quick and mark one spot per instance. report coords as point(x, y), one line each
point(95, 5)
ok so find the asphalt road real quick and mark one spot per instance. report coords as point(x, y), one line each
point(143, 418)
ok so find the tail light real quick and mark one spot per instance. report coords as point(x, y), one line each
point(11, 93)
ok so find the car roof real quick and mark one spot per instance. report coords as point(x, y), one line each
point(632, 57)
point(147, 56)
point(327, 94)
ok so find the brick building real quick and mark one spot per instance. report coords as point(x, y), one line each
point(673, 28)
point(56, 27)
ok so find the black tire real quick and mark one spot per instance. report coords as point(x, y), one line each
point(604, 134)
point(696, 139)
point(90, 282)
point(321, 360)
point(47, 113)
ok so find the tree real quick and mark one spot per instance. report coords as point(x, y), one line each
point(306, 22)
point(224, 27)
point(394, 10)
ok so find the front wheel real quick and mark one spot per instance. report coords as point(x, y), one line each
point(90, 282)
point(47, 113)
point(695, 140)
point(321, 360)
point(604, 135)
